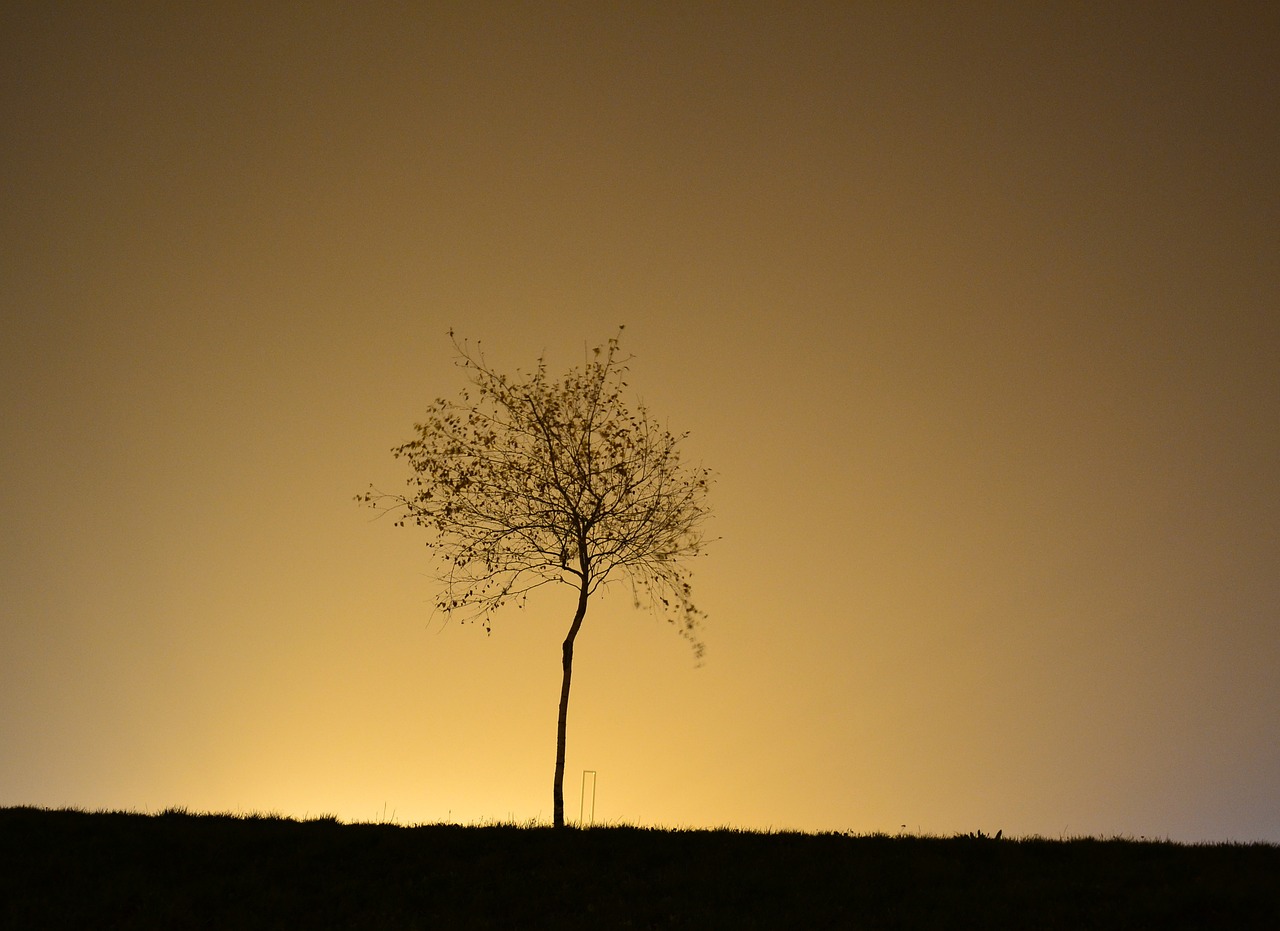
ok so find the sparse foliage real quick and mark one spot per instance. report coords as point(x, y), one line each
point(530, 480)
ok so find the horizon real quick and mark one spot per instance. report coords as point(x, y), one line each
point(573, 825)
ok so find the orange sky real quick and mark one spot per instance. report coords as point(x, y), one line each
point(973, 309)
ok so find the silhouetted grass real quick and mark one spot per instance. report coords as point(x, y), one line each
point(175, 870)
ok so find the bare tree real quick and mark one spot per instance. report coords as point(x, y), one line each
point(526, 481)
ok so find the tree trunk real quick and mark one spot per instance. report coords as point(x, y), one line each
point(557, 794)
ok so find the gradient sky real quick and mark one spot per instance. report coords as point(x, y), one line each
point(973, 308)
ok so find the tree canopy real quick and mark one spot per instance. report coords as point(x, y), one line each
point(528, 480)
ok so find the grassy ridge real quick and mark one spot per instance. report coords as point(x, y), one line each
point(70, 869)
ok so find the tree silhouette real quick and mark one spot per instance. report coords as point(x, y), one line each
point(526, 481)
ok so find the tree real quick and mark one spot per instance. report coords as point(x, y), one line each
point(527, 481)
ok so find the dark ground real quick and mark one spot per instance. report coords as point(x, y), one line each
point(71, 869)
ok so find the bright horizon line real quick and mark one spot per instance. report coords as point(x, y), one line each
point(537, 822)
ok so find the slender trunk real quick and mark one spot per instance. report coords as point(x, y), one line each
point(557, 795)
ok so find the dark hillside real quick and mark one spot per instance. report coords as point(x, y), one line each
point(68, 869)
